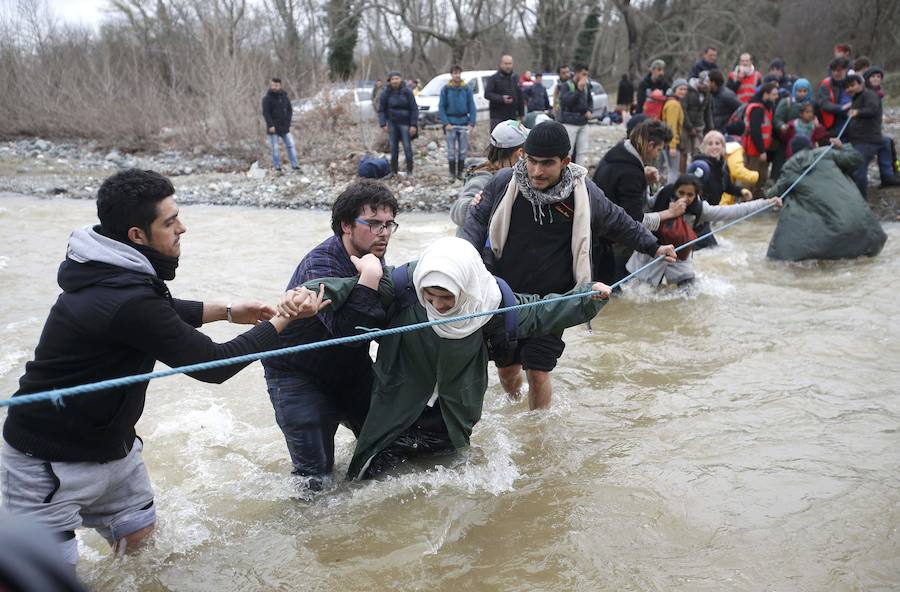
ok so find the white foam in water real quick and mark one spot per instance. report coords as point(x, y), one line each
point(4, 262)
point(703, 285)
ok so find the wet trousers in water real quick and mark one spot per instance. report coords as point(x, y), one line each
point(428, 436)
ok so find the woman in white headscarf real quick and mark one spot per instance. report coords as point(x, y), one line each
point(430, 383)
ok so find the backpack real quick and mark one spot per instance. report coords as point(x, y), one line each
point(405, 295)
point(373, 167)
point(677, 232)
point(738, 114)
point(653, 104)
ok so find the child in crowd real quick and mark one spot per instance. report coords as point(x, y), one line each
point(807, 125)
point(683, 229)
point(430, 384)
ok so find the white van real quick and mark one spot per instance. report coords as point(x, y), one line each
point(430, 96)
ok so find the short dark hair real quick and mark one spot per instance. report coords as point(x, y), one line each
point(129, 199)
point(717, 77)
point(861, 63)
point(710, 47)
point(839, 64)
point(538, 74)
point(688, 180)
point(560, 68)
point(768, 87)
point(807, 105)
point(855, 78)
point(278, 80)
point(455, 68)
point(350, 203)
point(580, 67)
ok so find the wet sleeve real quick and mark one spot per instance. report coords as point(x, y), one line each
point(614, 223)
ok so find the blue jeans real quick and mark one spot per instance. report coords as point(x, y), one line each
point(309, 413)
point(398, 132)
point(457, 142)
point(288, 143)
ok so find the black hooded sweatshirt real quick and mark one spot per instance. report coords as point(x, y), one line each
point(111, 321)
point(620, 175)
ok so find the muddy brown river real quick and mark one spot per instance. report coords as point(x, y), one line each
point(745, 437)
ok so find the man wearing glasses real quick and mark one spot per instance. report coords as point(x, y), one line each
point(314, 391)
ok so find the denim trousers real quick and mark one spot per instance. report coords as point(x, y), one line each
point(288, 140)
point(309, 413)
point(398, 132)
point(457, 142)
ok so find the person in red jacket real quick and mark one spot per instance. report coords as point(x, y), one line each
point(758, 132)
point(744, 79)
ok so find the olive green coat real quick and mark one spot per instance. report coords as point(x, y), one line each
point(411, 366)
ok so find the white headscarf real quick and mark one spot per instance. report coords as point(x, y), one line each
point(453, 264)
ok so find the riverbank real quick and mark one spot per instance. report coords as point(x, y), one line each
point(75, 169)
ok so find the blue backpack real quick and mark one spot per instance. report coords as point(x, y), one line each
point(405, 295)
point(373, 167)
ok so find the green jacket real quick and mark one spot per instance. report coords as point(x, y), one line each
point(824, 216)
point(410, 366)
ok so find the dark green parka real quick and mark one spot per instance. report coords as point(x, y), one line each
point(411, 366)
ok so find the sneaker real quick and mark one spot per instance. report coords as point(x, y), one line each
point(296, 169)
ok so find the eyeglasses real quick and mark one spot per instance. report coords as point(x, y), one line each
point(380, 227)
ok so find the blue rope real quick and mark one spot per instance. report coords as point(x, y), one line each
point(56, 396)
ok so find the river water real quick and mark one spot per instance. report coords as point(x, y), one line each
point(746, 437)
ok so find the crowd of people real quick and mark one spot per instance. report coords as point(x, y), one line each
point(533, 224)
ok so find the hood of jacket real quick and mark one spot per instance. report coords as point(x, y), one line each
point(92, 258)
point(625, 154)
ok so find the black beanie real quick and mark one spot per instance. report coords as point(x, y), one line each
point(547, 140)
point(633, 122)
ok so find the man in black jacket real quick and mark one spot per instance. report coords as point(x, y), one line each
point(503, 93)
point(79, 464)
point(575, 110)
point(723, 101)
point(864, 132)
point(623, 175)
point(544, 221)
point(277, 111)
point(654, 80)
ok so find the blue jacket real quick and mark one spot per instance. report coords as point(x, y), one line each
point(398, 105)
point(457, 105)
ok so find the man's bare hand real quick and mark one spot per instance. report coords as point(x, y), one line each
point(669, 252)
point(652, 174)
point(601, 291)
point(251, 313)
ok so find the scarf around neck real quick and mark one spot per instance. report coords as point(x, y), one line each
point(555, 194)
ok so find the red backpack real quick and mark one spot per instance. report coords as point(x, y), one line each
point(653, 105)
point(676, 232)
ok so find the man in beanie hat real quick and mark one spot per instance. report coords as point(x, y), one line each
point(542, 220)
point(654, 80)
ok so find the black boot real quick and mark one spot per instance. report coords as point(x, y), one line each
point(460, 169)
point(409, 167)
point(395, 166)
point(452, 165)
